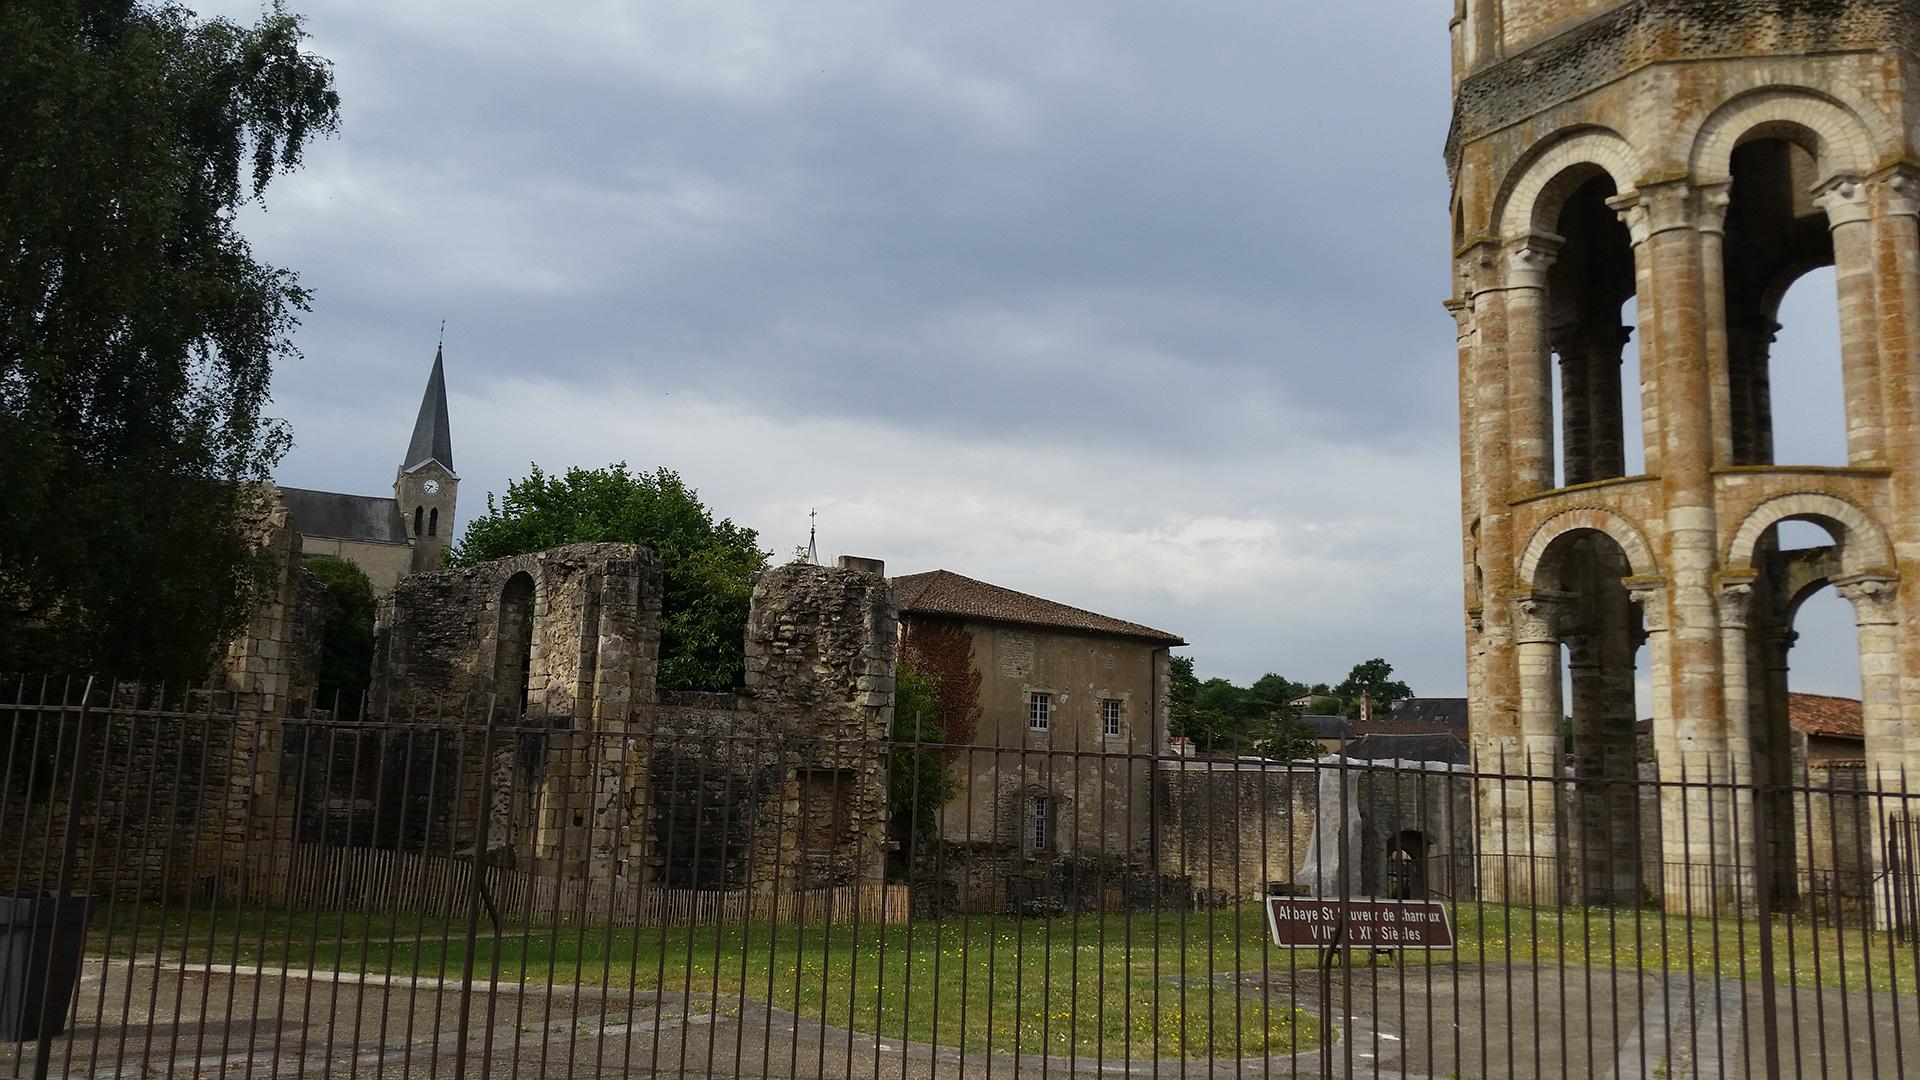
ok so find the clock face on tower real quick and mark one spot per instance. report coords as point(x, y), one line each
point(431, 487)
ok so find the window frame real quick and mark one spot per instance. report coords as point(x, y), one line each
point(1113, 718)
point(1039, 825)
point(1040, 711)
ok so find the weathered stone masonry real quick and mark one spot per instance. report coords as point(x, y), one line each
point(592, 773)
point(1695, 158)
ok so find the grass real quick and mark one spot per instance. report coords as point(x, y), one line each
point(1146, 985)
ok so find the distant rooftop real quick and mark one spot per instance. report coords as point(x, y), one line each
point(1437, 747)
point(1420, 716)
point(1327, 727)
point(943, 592)
point(1822, 714)
point(370, 518)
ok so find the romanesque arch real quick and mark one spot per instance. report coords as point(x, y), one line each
point(1623, 533)
point(1836, 135)
point(1540, 182)
point(1862, 543)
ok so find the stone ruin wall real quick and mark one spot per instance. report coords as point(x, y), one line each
point(1236, 827)
point(602, 777)
point(173, 800)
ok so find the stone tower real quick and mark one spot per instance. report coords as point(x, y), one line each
point(424, 488)
point(1695, 159)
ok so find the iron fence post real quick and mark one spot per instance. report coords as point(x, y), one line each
point(43, 1043)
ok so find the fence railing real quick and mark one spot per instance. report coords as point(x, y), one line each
point(196, 888)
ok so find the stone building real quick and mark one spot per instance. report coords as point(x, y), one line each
point(1057, 686)
point(1694, 159)
point(592, 773)
point(390, 537)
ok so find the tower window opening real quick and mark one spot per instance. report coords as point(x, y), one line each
point(1589, 290)
point(1778, 246)
point(417, 512)
point(433, 522)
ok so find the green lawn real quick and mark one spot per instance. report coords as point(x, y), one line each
point(1148, 985)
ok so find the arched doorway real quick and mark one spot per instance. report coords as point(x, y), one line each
point(1578, 636)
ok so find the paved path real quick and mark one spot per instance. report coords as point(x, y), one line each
point(1521, 1021)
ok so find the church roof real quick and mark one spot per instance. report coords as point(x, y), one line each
point(943, 592)
point(432, 435)
point(370, 518)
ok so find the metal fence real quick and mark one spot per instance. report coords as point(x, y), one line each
point(201, 889)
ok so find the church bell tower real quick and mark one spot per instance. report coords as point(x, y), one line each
point(1635, 185)
point(425, 486)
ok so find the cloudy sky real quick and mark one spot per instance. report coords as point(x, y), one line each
point(1134, 306)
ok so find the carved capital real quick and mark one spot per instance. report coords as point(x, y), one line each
point(1714, 200)
point(1653, 209)
point(1527, 265)
point(1649, 594)
point(1872, 597)
point(1537, 618)
point(1901, 190)
point(1736, 600)
point(1844, 198)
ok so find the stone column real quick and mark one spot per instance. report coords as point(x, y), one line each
point(1875, 611)
point(1530, 385)
point(1874, 598)
point(1531, 833)
point(1897, 256)
point(1736, 599)
point(1848, 217)
point(1669, 256)
point(1711, 219)
point(1590, 412)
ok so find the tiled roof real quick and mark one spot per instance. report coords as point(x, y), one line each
point(1819, 714)
point(335, 516)
point(1327, 727)
point(1422, 716)
point(1440, 747)
point(943, 592)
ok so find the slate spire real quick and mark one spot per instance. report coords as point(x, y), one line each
point(432, 437)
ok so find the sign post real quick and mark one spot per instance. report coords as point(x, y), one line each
point(1315, 922)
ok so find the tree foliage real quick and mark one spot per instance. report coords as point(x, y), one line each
point(707, 566)
point(1223, 718)
point(346, 654)
point(137, 331)
point(919, 780)
point(1371, 679)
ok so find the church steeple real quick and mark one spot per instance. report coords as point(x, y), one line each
point(432, 435)
point(423, 490)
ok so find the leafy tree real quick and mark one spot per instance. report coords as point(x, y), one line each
point(346, 656)
point(919, 780)
point(1221, 717)
point(706, 565)
point(137, 331)
point(1373, 679)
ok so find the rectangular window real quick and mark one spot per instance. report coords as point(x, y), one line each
point(1038, 812)
point(1110, 718)
point(1039, 711)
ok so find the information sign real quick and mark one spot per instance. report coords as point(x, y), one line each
point(1314, 922)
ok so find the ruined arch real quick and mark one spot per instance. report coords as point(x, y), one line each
point(1838, 137)
point(1623, 532)
point(513, 645)
point(1540, 183)
point(1863, 544)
